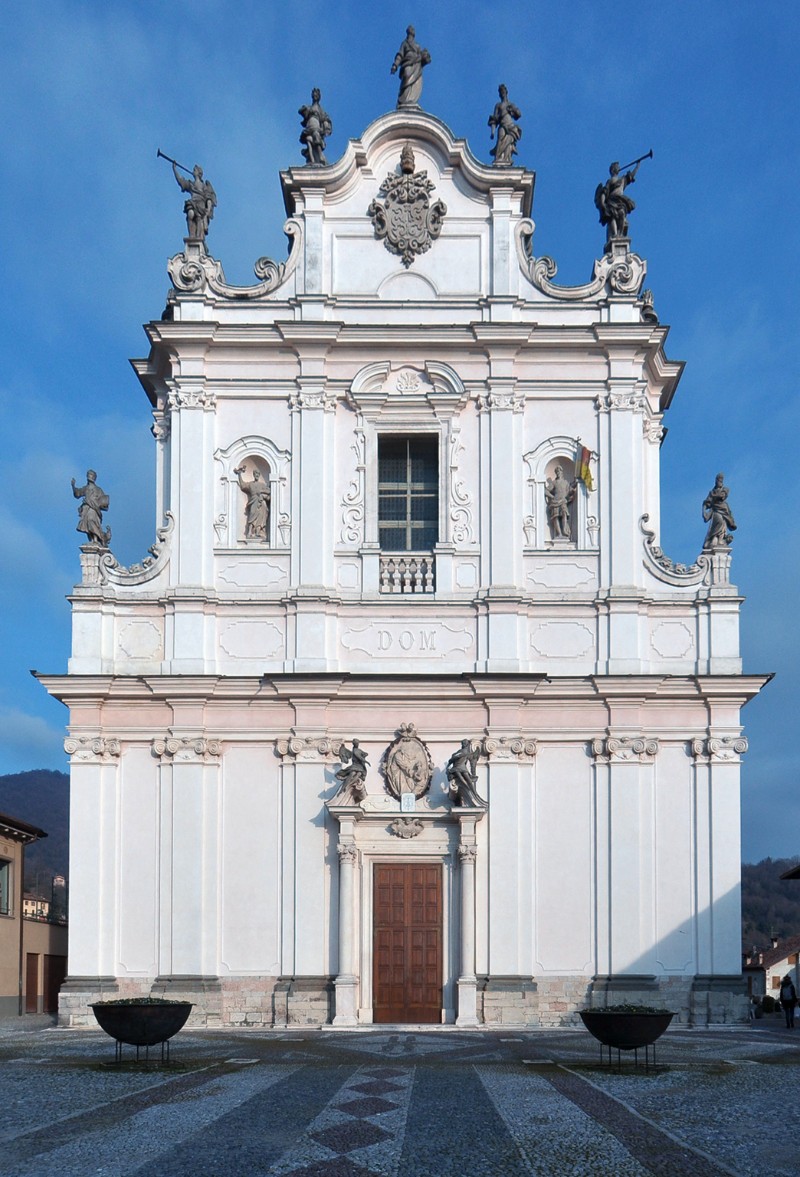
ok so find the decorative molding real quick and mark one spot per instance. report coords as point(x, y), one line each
point(509, 747)
point(348, 854)
point(633, 399)
point(92, 749)
point(467, 853)
point(191, 398)
point(625, 748)
point(407, 380)
point(620, 271)
point(187, 748)
point(653, 430)
point(308, 747)
point(195, 271)
point(406, 391)
point(161, 427)
point(110, 571)
point(460, 498)
point(353, 500)
point(719, 748)
point(406, 827)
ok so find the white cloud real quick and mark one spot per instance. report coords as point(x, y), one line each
point(28, 742)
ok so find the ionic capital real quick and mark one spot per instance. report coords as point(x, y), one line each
point(187, 748)
point(625, 748)
point(719, 748)
point(92, 749)
point(308, 747)
point(509, 747)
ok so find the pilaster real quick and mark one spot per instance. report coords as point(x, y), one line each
point(189, 786)
point(93, 854)
point(627, 764)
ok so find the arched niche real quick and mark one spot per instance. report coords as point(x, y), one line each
point(242, 459)
point(541, 467)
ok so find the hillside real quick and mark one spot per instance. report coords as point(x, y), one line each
point(40, 797)
point(770, 905)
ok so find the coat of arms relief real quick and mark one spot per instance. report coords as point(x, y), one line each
point(405, 218)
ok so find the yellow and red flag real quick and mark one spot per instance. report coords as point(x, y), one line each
point(582, 467)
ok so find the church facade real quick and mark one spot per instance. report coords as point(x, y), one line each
point(407, 496)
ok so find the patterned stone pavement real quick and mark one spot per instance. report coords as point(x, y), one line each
point(396, 1103)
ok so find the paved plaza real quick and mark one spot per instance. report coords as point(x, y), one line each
point(427, 1103)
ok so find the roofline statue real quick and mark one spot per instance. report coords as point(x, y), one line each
point(202, 199)
point(410, 59)
point(612, 203)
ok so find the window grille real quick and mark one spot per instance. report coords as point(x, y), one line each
point(408, 493)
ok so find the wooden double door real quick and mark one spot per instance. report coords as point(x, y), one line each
point(407, 942)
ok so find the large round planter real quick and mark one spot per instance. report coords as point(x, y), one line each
point(142, 1025)
point(622, 1031)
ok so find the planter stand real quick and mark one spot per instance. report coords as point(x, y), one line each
point(627, 1031)
point(142, 1024)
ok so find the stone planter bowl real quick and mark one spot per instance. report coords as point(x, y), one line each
point(623, 1031)
point(147, 1024)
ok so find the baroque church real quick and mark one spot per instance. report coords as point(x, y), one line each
point(406, 717)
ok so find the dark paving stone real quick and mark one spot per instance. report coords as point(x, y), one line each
point(337, 1167)
point(255, 1135)
point(366, 1107)
point(384, 1072)
point(375, 1087)
point(659, 1153)
point(345, 1137)
point(453, 1129)
point(107, 1116)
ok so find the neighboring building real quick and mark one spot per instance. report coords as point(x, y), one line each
point(33, 952)
point(35, 906)
point(460, 542)
point(765, 968)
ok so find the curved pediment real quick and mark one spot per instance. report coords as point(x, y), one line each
point(407, 198)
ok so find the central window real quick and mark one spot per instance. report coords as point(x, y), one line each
point(408, 493)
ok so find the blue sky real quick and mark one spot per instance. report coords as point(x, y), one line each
point(90, 216)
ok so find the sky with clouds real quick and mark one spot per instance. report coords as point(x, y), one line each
point(90, 216)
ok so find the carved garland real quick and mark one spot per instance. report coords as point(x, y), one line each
point(353, 498)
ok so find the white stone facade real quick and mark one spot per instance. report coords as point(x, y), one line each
point(210, 688)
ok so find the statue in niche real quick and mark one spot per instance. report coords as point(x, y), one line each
point(410, 59)
point(90, 512)
point(610, 199)
point(317, 126)
point(258, 500)
point(199, 208)
point(352, 774)
point(559, 494)
point(503, 123)
point(462, 776)
point(718, 515)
